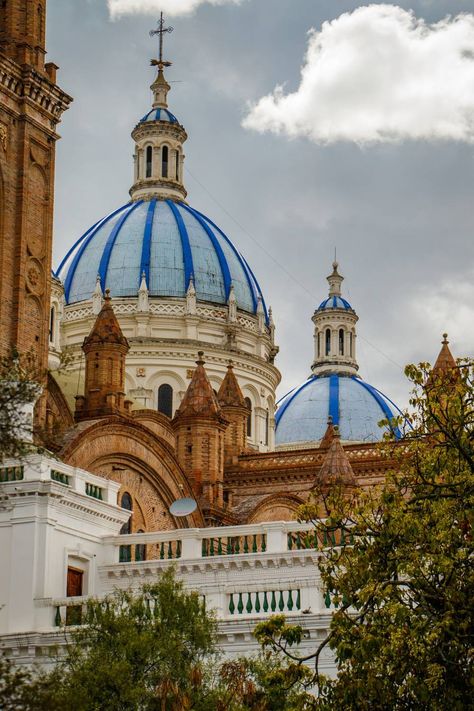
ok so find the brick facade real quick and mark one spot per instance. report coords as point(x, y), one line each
point(31, 106)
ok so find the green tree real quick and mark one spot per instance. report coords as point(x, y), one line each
point(151, 650)
point(264, 682)
point(402, 591)
point(19, 378)
point(14, 686)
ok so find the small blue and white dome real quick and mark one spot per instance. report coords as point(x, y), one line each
point(159, 114)
point(354, 405)
point(169, 243)
point(334, 302)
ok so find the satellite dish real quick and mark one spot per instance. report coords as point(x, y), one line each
point(183, 507)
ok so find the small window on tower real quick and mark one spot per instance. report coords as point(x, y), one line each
point(149, 162)
point(341, 341)
point(176, 155)
point(350, 345)
point(165, 400)
point(248, 402)
point(164, 161)
point(52, 316)
point(328, 342)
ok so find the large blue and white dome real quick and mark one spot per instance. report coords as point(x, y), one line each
point(354, 405)
point(167, 241)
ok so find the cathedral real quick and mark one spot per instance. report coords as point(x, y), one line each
point(160, 364)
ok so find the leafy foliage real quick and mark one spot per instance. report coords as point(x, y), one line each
point(402, 630)
point(264, 683)
point(139, 651)
point(18, 379)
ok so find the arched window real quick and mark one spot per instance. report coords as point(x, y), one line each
point(165, 399)
point(248, 402)
point(267, 428)
point(328, 342)
point(176, 163)
point(341, 341)
point(149, 162)
point(140, 548)
point(52, 318)
point(164, 162)
point(125, 552)
point(350, 344)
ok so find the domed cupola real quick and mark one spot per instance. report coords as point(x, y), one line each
point(334, 331)
point(159, 139)
point(178, 282)
point(334, 389)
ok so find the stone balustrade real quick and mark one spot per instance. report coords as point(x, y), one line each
point(37, 468)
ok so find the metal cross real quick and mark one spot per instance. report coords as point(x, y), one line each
point(161, 31)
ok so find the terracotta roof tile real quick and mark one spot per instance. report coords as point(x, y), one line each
point(445, 360)
point(230, 394)
point(200, 398)
point(336, 465)
point(106, 328)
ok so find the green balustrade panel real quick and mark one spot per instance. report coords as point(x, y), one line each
point(95, 491)
point(125, 554)
point(234, 545)
point(264, 601)
point(60, 477)
point(11, 474)
point(249, 606)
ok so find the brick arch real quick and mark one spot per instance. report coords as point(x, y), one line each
point(276, 507)
point(127, 452)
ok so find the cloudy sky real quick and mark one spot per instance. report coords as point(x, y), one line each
point(312, 124)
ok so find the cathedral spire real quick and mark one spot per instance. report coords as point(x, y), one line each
point(335, 281)
point(159, 139)
point(160, 86)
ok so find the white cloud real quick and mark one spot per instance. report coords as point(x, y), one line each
point(379, 74)
point(117, 8)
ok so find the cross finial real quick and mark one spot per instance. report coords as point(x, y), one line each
point(161, 30)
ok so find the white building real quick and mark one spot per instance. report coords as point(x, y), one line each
point(60, 544)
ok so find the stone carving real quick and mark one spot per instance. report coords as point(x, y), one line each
point(3, 137)
point(34, 276)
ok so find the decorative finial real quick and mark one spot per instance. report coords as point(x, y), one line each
point(200, 360)
point(230, 364)
point(160, 63)
point(329, 420)
point(107, 295)
point(445, 339)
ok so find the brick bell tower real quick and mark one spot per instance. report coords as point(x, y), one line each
point(200, 428)
point(31, 105)
point(105, 349)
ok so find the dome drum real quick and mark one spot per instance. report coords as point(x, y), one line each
point(158, 161)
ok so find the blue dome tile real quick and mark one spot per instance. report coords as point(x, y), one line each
point(159, 115)
point(171, 243)
point(355, 406)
